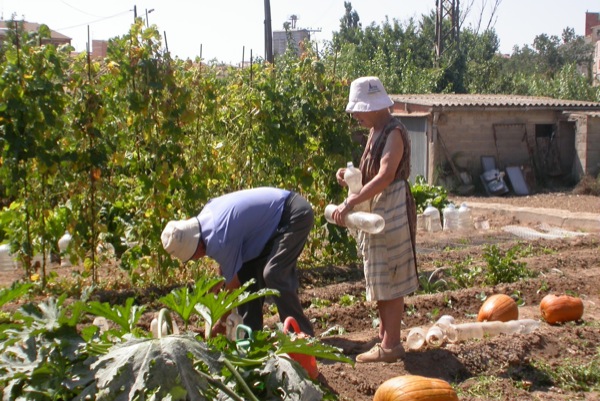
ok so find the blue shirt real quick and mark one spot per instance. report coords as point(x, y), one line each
point(236, 227)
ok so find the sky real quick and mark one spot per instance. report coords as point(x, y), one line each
point(227, 30)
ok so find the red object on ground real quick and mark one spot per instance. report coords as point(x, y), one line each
point(308, 362)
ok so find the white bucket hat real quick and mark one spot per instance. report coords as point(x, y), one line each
point(367, 94)
point(180, 238)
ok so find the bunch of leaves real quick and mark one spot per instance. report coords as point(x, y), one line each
point(464, 273)
point(201, 299)
point(426, 194)
point(48, 352)
point(184, 367)
point(41, 356)
point(32, 110)
point(431, 282)
point(504, 268)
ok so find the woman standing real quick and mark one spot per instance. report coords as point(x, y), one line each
point(389, 257)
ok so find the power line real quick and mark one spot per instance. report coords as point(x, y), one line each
point(77, 9)
point(92, 22)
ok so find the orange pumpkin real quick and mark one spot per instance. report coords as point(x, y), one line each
point(498, 308)
point(562, 308)
point(412, 387)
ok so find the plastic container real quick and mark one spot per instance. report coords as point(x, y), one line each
point(444, 322)
point(353, 178)
point(371, 223)
point(466, 331)
point(416, 338)
point(450, 218)
point(308, 362)
point(465, 219)
point(431, 217)
point(7, 262)
point(63, 245)
point(435, 336)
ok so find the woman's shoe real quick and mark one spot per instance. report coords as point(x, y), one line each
point(380, 354)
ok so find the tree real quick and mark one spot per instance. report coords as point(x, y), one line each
point(350, 27)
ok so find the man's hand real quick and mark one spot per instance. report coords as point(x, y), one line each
point(218, 328)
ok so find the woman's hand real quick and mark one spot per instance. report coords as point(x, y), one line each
point(339, 214)
point(340, 176)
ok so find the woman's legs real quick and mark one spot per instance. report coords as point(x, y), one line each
point(390, 313)
point(390, 349)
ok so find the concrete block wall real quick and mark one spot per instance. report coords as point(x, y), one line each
point(593, 146)
point(471, 134)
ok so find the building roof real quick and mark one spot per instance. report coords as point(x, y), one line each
point(34, 27)
point(492, 101)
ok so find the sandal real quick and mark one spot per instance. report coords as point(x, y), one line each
point(380, 354)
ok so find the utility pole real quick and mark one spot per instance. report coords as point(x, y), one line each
point(148, 12)
point(447, 26)
point(268, 33)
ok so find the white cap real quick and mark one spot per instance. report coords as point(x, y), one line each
point(180, 238)
point(367, 94)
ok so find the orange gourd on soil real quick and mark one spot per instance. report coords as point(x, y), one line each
point(498, 308)
point(562, 308)
point(412, 387)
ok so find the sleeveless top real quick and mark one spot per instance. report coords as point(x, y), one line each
point(370, 163)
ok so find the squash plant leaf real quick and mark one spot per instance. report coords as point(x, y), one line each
point(126, 317)
point(160, 366)
point(285, 381)
point(17, 290)
point(212, 307)
point(291, 343)
point(49, 315)
point(183, 301)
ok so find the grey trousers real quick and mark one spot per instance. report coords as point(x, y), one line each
point(276, 267)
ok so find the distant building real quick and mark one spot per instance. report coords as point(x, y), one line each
point(557, 140)
point(592, 35)
point(281, 40)
point(99, 48)
point(56, 38)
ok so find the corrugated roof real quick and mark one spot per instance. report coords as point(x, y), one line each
point(462, 100)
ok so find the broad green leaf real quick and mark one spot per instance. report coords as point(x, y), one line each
point(164, 366)
point(16, 291)
point(212, 307)
point(125, 316)
point(183, 301)
point(284, 380)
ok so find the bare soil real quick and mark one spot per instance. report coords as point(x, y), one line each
point(506, 367)
point(514, 366)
